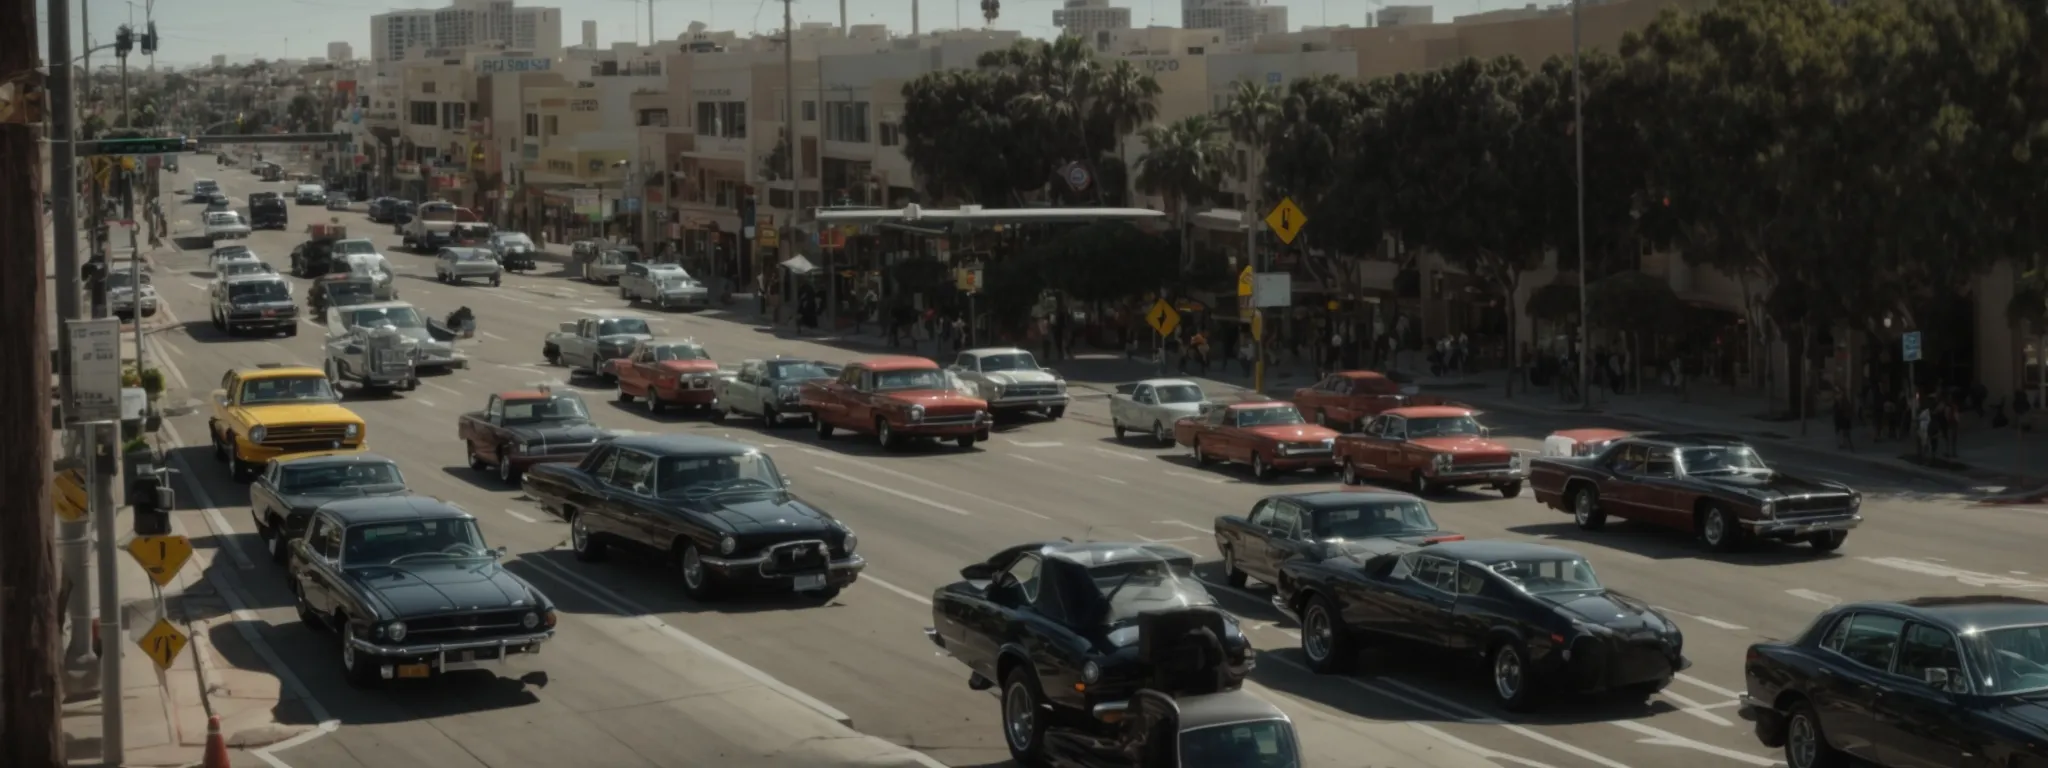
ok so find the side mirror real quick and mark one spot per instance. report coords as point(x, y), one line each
point(500, 552)
point(978, 572)
point(1941, 679)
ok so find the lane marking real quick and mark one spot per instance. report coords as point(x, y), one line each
point(619, 604)
point(1967, 578)
point(1696, 709)
point(1456, 711)
point(1184, 524)
point(1712, 622)
point(1117, 454)
point(1704, 685)
point(1819, 597)
point(1038, 444)
point(1174, 540)
point(1108, 479)
point(906, 594)
point(1192, 476)
point(521, 515)
point(1024, 458)
point(489, 335)
point(896, 493)
point(1663, 738)
point(921, 481)
point(442, 387)
point(214, 519)
point(427, 403)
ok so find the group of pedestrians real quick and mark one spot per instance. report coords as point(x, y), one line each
point(1932, 420)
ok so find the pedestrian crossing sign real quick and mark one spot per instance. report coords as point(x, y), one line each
point(162, 643)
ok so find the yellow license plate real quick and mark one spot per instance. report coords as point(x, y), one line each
point(414, 670)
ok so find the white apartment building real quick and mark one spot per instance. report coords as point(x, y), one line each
point(1403, 16)
point(339, 52)
point(1083, 18)
point(1240, 20)
point(466, 23)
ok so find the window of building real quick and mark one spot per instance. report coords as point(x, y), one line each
point(532, 122)
point(728, 194)
point(810, 111)
point(454, 115)
point(654, 117)
point(423, 113)
point(554, 125)
point(707, 118)
point(847, 121)
point(889, 134)
point(732, 117)
point(427, 87)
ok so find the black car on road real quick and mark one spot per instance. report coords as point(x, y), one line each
point(1318, 525)
point(412, 590)
point(1933, 681)
point(1536, 614)
point(283, 499)
point(718, 510)
point(1064, 628)
point(1228, 729)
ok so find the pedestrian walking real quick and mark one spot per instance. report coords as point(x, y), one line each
point(1246, 354)
point(1845, 419)
point(1199, 345)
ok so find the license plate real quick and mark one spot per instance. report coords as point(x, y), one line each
point(414, 670)
point(810, 583)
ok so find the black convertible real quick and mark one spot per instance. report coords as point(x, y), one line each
point(284, 497)
point(718, 510)
point(1066, 628)
point(1538, 615)
point(1318, 525)
point(411, 588)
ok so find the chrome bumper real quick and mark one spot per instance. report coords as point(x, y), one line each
point(854, 563)
point(1481, 475)
point(683, 300)
point(1803, 526)
point(1029, 401)
point(1748, 708)
point(530, 641)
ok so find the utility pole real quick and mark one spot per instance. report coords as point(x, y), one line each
point(31, 690)
point(74, 539)
point(1579, 356)
point(789, 117)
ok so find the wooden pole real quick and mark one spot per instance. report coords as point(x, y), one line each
point(30, 687)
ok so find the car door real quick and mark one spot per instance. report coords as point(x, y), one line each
point(1858, 651)
point(1918, 724)
point(318, 572)
point(1387, 447)
point(263, 497)
point(834, 405)
point(637, 371)
point(494, 421)
point(1255, 555)
point(1208, 432)
point(1656, 496)
point(1237, 443)
point(591, 498)
point(1419, 606)
point(1137, 410)
point(630, 501)
point(751, 387)
point(1316, 399)
point(989, 627)
point(1292, 537)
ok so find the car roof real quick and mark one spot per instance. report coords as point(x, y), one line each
point(1965, 612)
point(531, 394)
point(382, 305)
point(1258, 404)
point(1592, 434)
point(392, 509)
point(1356, 375)
point(1498, 550)
point(1092, 554)
point(1430, 412)
point(662, 341)
point(278, 372)
point(326, 458)
point(255, 277)
point(683, 445)
point(1344, 499)
point(1690, 439)
point(600, 314)
point(896, 363)
point(1169, 383)
point(1223, 708)
point(979, 351)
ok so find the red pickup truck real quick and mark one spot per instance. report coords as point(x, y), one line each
point(666, 372)
point(896, 399)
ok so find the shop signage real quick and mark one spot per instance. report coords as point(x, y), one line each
point(495, 66)
point(408, 168)
point(583, 105)
point(1156, 66)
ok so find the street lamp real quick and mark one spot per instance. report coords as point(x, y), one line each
point(1579, 151)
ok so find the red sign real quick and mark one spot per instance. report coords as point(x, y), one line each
point(346, 86)
point(362, 160)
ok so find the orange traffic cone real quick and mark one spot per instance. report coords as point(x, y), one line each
point(216, 745)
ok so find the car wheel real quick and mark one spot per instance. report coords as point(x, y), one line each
point(1056, 412)
point(1023, 717)
point(1116, 429)
point(966, 442)
point(1350, 473)
point(1325, 641)
point(361, 671)
point(551, 353)
point(1718, 529)
point(721, 412)
point(1418, 484)
point(824, 429)
point(587, 548)
point(241, 470)
point(507, 473)
point(273, 533)
point(1261, 471)
point(1586, 511)
point(220, 447)
point(1161, 433)
point(1231, 574)
point(497, 280)
point(624, 396)
point(1513, 682)
point(1827, 541)
point(1806, 745)
point(1195, 448)
point(885, 434)
point(698, 582)
point(771, 418)
point(654, 404)
point(475, 461)
point(1510, 490)
point(624, 294)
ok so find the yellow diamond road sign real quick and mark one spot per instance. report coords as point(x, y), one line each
point(1286, 220)
point(1244, 281)
point(69, 496)
point(162, 643)
point(161, 556)
point(1163, 318)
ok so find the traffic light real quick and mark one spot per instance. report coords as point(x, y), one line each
point(124, 41)
point(149, 40)
point(990, 9)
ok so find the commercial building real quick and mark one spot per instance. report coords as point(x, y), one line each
point(397, 35)
point(1083, 18)
point(1240, 20)
point(340, 52)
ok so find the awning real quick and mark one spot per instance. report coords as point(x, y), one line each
point(798, 265)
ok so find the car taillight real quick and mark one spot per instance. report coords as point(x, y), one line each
point(1752, 656)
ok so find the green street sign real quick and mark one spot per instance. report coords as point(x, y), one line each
point(149, 146)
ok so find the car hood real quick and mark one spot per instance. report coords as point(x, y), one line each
point(1457, 445)
point(2029, 715)
point(417, 590)
point(563, 433)
point(312, 499)
point(1771, 485)
point(1021, 377)
point(1293, 432)
point(932, 397)
point(767, 513)
point(1612, 610)
point(689, 366)
point(622, 338)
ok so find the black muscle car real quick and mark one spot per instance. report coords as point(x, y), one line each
point(1934, 681)
point(282, 499)
point(1537, 615)
point(1712, 486)
point(1230, 729)
point(1318, 525)
point(1066, 627)
point(716, 509)
point(523, 427)
point(413, 590)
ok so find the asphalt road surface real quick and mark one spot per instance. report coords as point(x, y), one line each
point(600, 695)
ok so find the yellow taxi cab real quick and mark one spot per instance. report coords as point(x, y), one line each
point(273, 410)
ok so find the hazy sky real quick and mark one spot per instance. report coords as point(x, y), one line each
point(194, 30)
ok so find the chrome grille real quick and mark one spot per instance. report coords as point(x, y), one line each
point(1479, 460)
point(700, 382)
point(1488, 467)
point(288, 436)
point(1031, 390)
point(795, 557)
point(483, 624)
point(1813, 506)
point(949, 418)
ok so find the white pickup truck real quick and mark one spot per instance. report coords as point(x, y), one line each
point(225, 225)
point(433, 226)
point(588, 343)
point(1152, 406)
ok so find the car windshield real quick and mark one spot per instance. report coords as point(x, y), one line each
point(1447, 426)
point(448, 538)
point(471, 254)
point(516, 239)
point(353, 247)
point(667, 352)
point(680, 477)
point(1135, 587)
point(1008, 361)
point(221, 253)
point(2019, 659)
point(1279, 416)
point(793, 371)
point(288, 389)
point(250, 267)
point(340, 477)
point(1721, 460)
point(1365, 521)
point(124, 279)
point(551, 408)
point(1172, 394)
point(368, 265)
point(1552, 576)
point(620, 326)
point(928, 378)
point(396, 317)
point(259, 290)
point(223, 218)
point(1251, 744)
point(346, 289)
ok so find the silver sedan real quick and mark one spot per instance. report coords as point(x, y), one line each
point(455, 265)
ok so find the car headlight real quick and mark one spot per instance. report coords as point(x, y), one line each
point(351, 431)
point(1442, 461)
point(1855, 502)
point(548, 619)
point(1768, 508)
point(981, 417)
point(530, 620)
point(785, 391)
point(916, 413)
point(995, 390)
point(256, 433)
point(395, 631)
point(850, 542)
point(1091, 673)
point(726, 544)
point(1514, 461)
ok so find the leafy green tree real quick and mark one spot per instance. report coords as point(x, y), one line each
point(1184, 161)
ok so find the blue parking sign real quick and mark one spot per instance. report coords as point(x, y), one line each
point(1910, 346)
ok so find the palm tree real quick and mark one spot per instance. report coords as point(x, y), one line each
point(1184, 161)
point(1250, 114)
point(1130, 100)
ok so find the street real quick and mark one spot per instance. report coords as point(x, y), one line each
point(608, 692)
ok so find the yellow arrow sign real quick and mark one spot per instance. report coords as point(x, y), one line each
point(1163, 318)
point(162, 643)
point(1286, 220)
point(161, 556)
point(1244, 281)
point(69, 496)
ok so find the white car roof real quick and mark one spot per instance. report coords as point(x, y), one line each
point(997, 351)
point(1156, 383)
point(217, 216)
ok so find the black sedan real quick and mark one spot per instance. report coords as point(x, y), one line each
point(1318, 525)
point(718, 510)
point(1063, 628)
point(1538, 615)
point(1935, 681)
point(284, 497)
point(413, 590)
